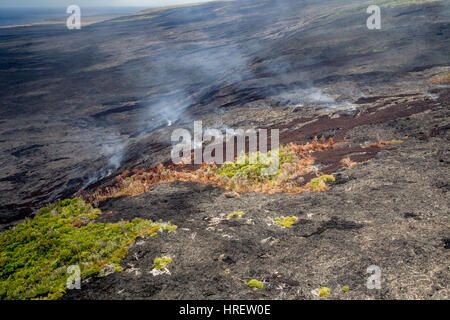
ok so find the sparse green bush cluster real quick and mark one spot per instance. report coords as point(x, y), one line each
point(35, 255)
point(286, 222)
point(249, 167)
point(160, 263)
point(255, 284)
point(316, 183)
point(324, 292)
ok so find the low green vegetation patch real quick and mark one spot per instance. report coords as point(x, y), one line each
point(250, 166)
point(35, 255)
point(255, 284)
point(324, 292)
point(317, 183)
point(160, 263)
point(286, 222)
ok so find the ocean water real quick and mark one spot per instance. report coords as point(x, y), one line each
point(17, 16)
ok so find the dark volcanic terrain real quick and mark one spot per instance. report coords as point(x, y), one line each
point(79, 107)
point(391, 211)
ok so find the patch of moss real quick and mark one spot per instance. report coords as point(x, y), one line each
point(250, 166)
point(35, 255)
point(255, 284)
point(324, 292)
point(160, 263)
point(286, 222)
point(235, 214)
point(315, 183)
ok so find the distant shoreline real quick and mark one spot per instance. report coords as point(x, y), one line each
point(97, 17)
point(26, 17)
point(84, 22)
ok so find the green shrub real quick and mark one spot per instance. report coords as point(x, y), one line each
point(315, 183)
point(250, 166)
point(286, 222)
point(35, 255)
point(324, 292)
point(255, 284)
point(160, 263)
